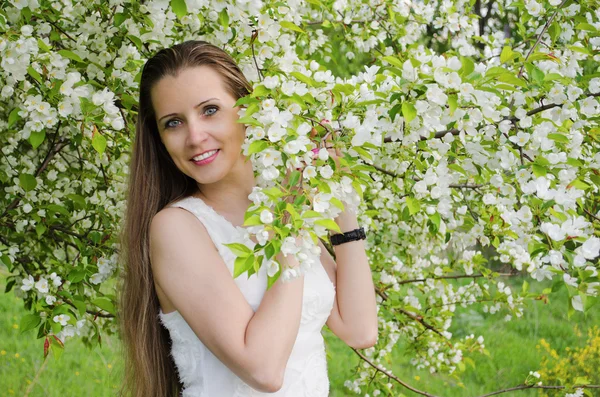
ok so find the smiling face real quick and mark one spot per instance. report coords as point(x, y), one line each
point(195, 116)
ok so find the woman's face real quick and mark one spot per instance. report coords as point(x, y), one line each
point(195, 116)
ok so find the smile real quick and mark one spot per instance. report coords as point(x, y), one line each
point(206, 157)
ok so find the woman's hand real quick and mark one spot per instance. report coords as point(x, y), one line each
point(328, 143)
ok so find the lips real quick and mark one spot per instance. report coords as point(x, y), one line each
point(208, 159)
point(200, 154)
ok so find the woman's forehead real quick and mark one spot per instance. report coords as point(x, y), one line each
point(194, 84)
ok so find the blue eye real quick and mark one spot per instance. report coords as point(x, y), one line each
point(169, 125)
point(210, 110)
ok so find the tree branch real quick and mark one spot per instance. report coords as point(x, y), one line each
point(424, 393)
point(391, 376)
point(453, 277)
point(523, 387)
point(548, 22)
point(54, 149)
point(452, 185)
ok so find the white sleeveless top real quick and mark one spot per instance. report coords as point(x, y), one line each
point(203, 374)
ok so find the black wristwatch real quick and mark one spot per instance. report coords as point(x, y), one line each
point(353, 235)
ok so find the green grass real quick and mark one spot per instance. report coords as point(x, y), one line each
point(512, 345)
point(79, 372)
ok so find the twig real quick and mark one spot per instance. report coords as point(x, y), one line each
point(455, 131)
point(254, 36)
point(589, 213)
point(62, 142)
point(415, 317)
point(37, 375)
point(548, 22)
point(420, 320)
point(61, 30)
point(452, 185)
point(416, 280)
point(359, 21)
point(392, 376)
point(523, 387)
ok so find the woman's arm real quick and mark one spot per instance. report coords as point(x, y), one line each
point(188, 269)
point(354, 315)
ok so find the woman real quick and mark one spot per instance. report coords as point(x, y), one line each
point(186, 322)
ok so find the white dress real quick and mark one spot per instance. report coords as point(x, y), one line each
point(203, 374)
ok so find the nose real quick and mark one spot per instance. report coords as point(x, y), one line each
point(197, 131)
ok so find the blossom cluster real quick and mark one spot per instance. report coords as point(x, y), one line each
point(470, 140)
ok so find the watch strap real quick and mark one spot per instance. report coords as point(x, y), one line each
point(353, 235)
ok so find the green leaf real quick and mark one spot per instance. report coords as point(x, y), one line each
point(328, 224)
point(33, 73)
point(586, 26)
point(362, 152)
point(559, 138)
point(452, 102)
point(457, 168)
point(506, 55)
point(393, 61)
point(250, 121)
point(120, 17)
point(254, 220)
point(413, 205)
point(273, 192)
point(537, 75)
point(29, 322)
point(303, 78)
point(310, 214)
point(394, 111)
point(76, 275)
point(271, 280)
point(36, 138)
point(539, 170)
point(80, 305)
point(581, 380)
point(337, 203)
point(525, 287)
point(71, 55)
point(179, 8)
point(224, 18)
point(27, 182)
point(245, 101)
point(291, 26)
point(554, 31)
point(510, 78)
point(408, 111)
point(257, 146)
point(43, 45)
point(579, 184)
point(239, 249)
point(468, 66)
point(259, 91)
point(78, 201)
point(105, 304)
point(13, 117)
point(40, 229)
point(99, 142)
point(242, 265)
point(136, 40)
point(435, 219)
point(294, 178)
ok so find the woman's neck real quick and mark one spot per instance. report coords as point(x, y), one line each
point(230, 195)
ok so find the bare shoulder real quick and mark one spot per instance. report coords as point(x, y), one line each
point(166, 229)
point(191, 277)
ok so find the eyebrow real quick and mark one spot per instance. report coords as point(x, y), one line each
point(198, 105)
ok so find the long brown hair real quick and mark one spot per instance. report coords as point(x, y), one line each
point(154, 182)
